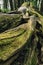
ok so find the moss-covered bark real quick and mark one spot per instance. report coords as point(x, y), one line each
point(18, 43)
point(8, 21)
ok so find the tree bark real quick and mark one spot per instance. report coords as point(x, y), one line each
point(5, 3)
point(42, 6)
point(11, 4)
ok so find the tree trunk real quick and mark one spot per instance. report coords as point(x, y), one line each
point(18, 3)
point(5, 3)
point(11, 4)
point(42, 6)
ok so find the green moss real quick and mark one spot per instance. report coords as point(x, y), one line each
point(34, 59)
point(25, 4)
point(13, 43)
point(8, 36)
point(14, 39)
point(9, 21)
point(40, 17)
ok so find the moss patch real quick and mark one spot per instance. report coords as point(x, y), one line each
point(26, 4)
point(8, 21)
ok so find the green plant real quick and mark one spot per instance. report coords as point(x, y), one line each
point(4, 10)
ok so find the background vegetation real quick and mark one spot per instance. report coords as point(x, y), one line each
point(15, 4)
